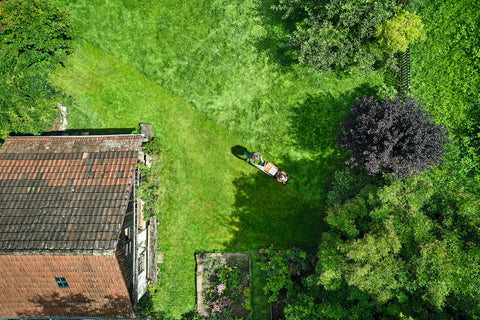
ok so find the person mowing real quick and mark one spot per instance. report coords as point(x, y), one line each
point(256, 160)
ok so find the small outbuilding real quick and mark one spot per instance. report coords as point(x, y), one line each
point(73, 243)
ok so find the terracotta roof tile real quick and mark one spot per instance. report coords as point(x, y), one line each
point(95, 287)
point(65, 193)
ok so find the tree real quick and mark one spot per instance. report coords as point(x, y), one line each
point(35, 37)
point(397, 33)
point(412, 246)
point(336, 34)
point(392, 136)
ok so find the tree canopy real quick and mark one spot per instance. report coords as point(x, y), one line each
point(412, 244)
point(35, 38)
point(392, 136)
point(397, 33)
point(337, 34)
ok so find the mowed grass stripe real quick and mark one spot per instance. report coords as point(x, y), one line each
point(211, 200)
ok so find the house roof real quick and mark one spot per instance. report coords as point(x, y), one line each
point(65, 194)
point(95, 287)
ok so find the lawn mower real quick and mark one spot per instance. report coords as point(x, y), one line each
point(256, 160)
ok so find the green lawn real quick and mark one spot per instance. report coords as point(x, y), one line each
point(445, 68)
point(211, 200)
point(209, 76)
point(225, 59)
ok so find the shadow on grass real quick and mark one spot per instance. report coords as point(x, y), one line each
point(312, 178)
point(267, 212)
point(275, 40)
point(314, 126)
point(315, 123)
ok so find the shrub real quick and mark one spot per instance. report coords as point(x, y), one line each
point(337, 34)
point(397, 33)
point(149, 189)
point(280, 266)
point(392, 136)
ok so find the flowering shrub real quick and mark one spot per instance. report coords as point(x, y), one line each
point(227, 281)
point(216, 299)
point(281, 267)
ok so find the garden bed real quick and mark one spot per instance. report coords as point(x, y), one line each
point(223, 285)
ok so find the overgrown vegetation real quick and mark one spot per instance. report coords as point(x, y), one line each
point(407, 246)
point(150, 186)
point(281, 268)
point(36, 36)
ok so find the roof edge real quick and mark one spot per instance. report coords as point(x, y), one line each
point(79, 136)
point(75, 318)
point(46, 252)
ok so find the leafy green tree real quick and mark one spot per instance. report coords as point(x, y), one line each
point(35, 38)
point(281, 266)
point(336, 34)
point(392, 136)
point(397, 33)
point(312, 301)
point(412, 246)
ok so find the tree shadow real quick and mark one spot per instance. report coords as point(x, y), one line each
point(267, 212)
point(312, 178)
point(79, 305)
point(315, 124)
point(275, 41)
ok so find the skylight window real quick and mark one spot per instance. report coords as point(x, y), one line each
point(62, 283)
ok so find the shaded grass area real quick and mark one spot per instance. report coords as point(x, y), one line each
point(260, 305)
point(211, 200)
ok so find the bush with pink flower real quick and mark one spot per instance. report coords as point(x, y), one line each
point(226, 282)
point(281, 268)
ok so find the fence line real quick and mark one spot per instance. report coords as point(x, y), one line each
point(404, 75)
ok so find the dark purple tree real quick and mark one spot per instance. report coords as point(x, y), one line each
point(393, 136)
